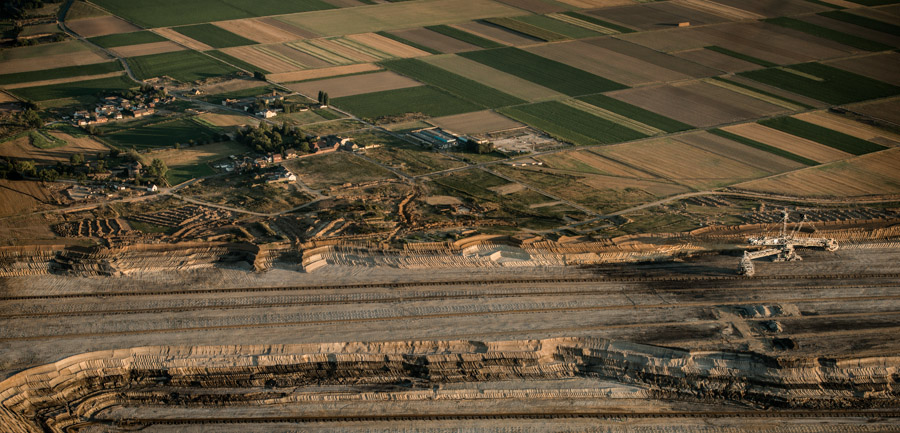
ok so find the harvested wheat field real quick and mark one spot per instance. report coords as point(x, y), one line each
point(287, 77)
point(491, 77)
point(478, 122)
point(386, 45)
point(882, 66)
point(355, 84)
point(497, 34)
point(615, 66)
point(787, 142)
point(100, 26)
point(21, 148)
point(20, 196)
point(435, 40)
point(716, 60)
point(252, 54)
point(874, 173)
point(146, 49)
point(172, 35)
point(697, 103)
point(258, 30)
point(850, 127)
point(753, 157)
point(223, 119)
point(682, 163)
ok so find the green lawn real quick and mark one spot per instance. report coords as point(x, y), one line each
point(636, 113)
point(124, 39)
point(213, 36)
point(834, 86)
point(762, 146)
point(457, 85)
point(69, 71)
point(822, 135)
point(162, 13)
point(467, 37)
point(541, 70)
point(826, 33)
point(181, 65)
point(571, 124)
point(73, 90)
point(422, 99)
point(164, 134)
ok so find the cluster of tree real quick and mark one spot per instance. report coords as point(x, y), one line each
point(157, 171)
point(18, 9)
point(265, 139)
point(323, 98)
point(480, 148)
point(31, 119)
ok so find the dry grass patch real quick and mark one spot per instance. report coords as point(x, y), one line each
point(491, 77)
point(258, 30)
point(760, 159)
point(386, 45)
point(849, 127)
point(6, 97)
point(21, 196)
point(313, 74)
point(355, 84)
point(224, 120)
point(509, 188)
point(478, 122)
point(146, 49)
point(21, 148)
point(100, 26)
point(787, 142)
point(874, 173)
point(172, 35)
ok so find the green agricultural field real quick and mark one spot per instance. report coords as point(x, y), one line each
point(467, 37)
point(408, 42)
point(834, 86)
point(762, 146)
point(762, 92)
point(828, 137)
point(869, 23)
point(236, 61)
point(422, 99)
point(599, 22)
point(571, 124)
point(164, 134)
point(237, 94)
point(181, 65)
point(636, 113)
point(541, 70)
point(164, 13)
point(42, 50)
point(826, 33)
point(53, 74)
point(527, 29)
point(743, 57)
point(74, 90)
point(125, 39)
point(557, 26)
point(213, 36)
point(457, 85)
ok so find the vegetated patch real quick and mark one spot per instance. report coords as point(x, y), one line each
point(874, 2)
point(238, 94)
point(423, 99)
point(826, 33)
point(488, 76)
point(557, 26)
point(571, 124)
point(124, 39)
point(762, 92)
point(350, 85)
point(464, 36)
point(478, 122)
point(527, 29)
point(822, 135)
point(541, 70)
point(73, 90)
point(213, 36)
point(161, 13)
point(834, 86)
point(400, 155)
point(636, 113)
point(335, 169)
point(163, 134)
point(452, 83)
point(738, 55)
point(762, 146)
point(192, 162)
point(598, 22)
point(65, 72)
point(80, 9)
point(181, 65)
point(791, 143)
point(236, 62)
point(859, 20)
point(407, 42)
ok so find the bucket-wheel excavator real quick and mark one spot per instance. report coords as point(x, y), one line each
point(782, 246)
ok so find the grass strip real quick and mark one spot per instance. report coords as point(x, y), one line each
point(762, 146)
point(819, 134)
point(826, 33)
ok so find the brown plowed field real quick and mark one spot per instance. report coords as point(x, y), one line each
point(716, 60)
point(386, 45)
point(875, 173)
point(437, 41)
point(772, 43)
point(884, 66)
point(595, 4)
point(667, 41)
point(493, 78)
point(20, 196)
point(885, 110)
point(602, 173)
point(182, 39)
point(852, 29)
point(146, 49)
point(275, 22)
point(654, 57)
point(255, 57)
point(653, 16)
point(782, 140)
point(220, 119)
point(22, 149)
point(355, 84)
point(90, 27)
point(313, 74)
point(497, 34)
point(478, 122)
point(847, 126)
point(778, 91)
point(615, 66)
point(697, 103)
point(52, 61)
point(775, 8)
point(760, 159)
point(257, 30)
point(682, 163)
point(535, 6)
point(62, 80)
point(298, 56)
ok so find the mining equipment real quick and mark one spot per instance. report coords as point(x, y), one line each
point(782, 246)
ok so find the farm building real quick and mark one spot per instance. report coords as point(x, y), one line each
point(436, 137)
